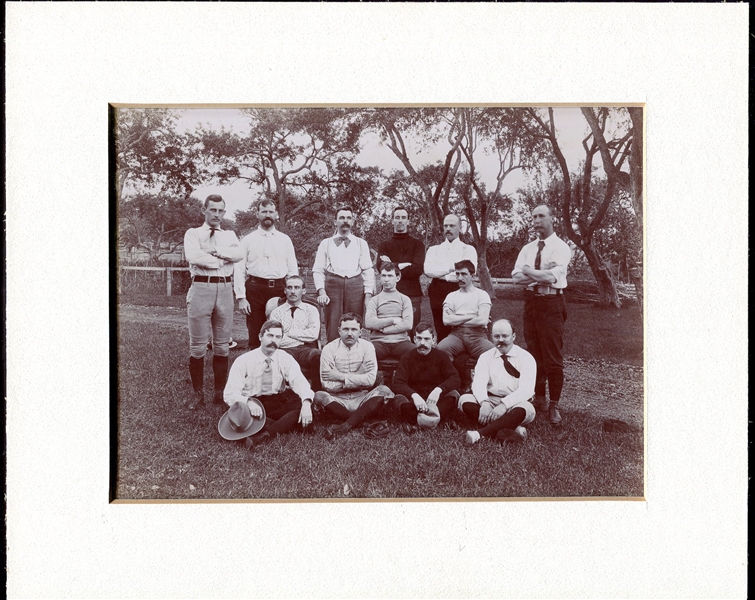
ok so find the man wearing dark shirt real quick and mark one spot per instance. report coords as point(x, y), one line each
point(426, 382)
point(409, 254)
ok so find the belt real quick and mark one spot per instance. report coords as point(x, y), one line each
point(470, 327)
point(213, 279)
point(545, 290)
point(267, 282)
point(342, 276)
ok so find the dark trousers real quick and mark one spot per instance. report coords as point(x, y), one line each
point(395, 350)
point(437, 292)
point(346, 295)
point(544, 318)
point(416, 313)
point(281, 412)
point(511, 420)
point(257, 295)
point(308, 357)
point(408, 412)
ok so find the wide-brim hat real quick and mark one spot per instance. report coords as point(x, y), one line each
point(430, 419)
point(238, 422)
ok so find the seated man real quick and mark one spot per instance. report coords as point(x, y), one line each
point(301, 329)
point(390, 316)
point(426, 375)
point(504, 384)
point(275, 379)
point(348, 369)
point(467, 312)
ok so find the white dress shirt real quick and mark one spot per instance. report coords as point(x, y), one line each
point(442, 257)
point(197, 245)
point(555, 251)
point(245, 376)
point(302, 327)
point(268, 255)
point(492, 379)
point(346, 261)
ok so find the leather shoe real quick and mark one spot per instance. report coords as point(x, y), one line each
point(553, 415)
point(195, 399)
point(255, 441)
point(217, 397)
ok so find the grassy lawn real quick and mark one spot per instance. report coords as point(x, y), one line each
point(166, 451)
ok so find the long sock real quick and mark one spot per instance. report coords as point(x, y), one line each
point(196, 371)
point(408, 413)
point(220, 371)
point(511, 420)
point(540, 383)
point(339, 411)
point(285, 424)
point(555, 384)
point(364, 411)
point(446, 405)
point(472, 411)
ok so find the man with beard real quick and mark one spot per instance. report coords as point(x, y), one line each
point(409, 254)
point(439, 265)
point(541, 267)
point(274, 379)
point(503, 385)
point(268, 259)
point(389, 316)
point(343, 273)
point(426, 376)
point(211, 253)
point(348, 369)
point(301, 328)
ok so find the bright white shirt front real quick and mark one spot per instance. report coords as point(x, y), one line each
point(466, 304)
point(441, 258)
point(492, 379)
point(198, 243)
point(345, 261)
point(555, 251)
point(268, 255)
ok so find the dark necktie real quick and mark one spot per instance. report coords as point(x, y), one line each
point(538, 257)
point(342, 240)
point(510, 369)
point(293, 310)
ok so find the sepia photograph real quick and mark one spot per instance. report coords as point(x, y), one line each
point(377, 302)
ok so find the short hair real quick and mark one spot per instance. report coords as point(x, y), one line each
point(299, 277)
point(213, 198)
point(271, 324)
point(389, 266)
point(400, 207)
point(465, 264)
point(350, 317)
point(344, 207)
point(266, 202)
point(426, 327)
point(505, 321)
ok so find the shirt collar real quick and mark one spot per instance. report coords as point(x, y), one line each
point(349, 235)
point(457, 240)
point(206, 227)
point(547, 240)
point(511, 353)
point(271, 231)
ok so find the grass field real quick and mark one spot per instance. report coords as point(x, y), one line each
point(166, 451)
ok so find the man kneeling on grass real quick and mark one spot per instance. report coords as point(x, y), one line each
point(502, 388)
point(427, 376)
point(275, 379)
point(348, 369)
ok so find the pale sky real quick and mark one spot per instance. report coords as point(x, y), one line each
point(570, 124)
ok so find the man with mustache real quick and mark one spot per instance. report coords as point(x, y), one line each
point(389, 316)
point(503, 386)
point(348, 369)
point(541, 268)
point(211, 253)
point(268, 259)
point(275, 379)
point(439, 265)
point(301, 328)
point(427, 377)
point(343, 273)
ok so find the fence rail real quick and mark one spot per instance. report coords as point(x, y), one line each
point(167, 270)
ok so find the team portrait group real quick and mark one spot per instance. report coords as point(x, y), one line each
point(284, 380)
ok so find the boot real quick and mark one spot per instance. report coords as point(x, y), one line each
point(220, 373)
point(553, 415)
point(196, 370)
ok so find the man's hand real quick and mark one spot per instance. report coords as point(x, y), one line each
point(434, 396)
point(419, 403)
point(334, 375)
point(254, 408)
point(498, 412)
point(244, 306)
point(403, 265)
point(486, 410)
point(385, 258)
point(305, 415)
point(322, 298)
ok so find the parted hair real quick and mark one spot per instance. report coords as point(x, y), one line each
point(350, 317)
point(465, 264)
point(271, 324)
point(344, 207)
point(266, 202)
point(426, 327)
point(389, 266)
point(213, 198)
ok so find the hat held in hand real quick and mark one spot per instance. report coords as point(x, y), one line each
point(430, 419)
point(238, 422)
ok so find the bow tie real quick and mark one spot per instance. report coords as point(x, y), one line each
point(510, 369)
point(341, 240)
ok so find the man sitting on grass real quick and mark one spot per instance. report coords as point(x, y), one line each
point(389, 316)
point(275, 379)
point(503, 386)
point(426, 375)
point(348, 369)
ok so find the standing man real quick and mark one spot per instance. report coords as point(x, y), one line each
point(389, 316)
point(268, 259)
point(503, 385)
point(425, 378)
point(301, 328)
point(211, 253)
point(409, 254)
point(348, 369)
point(541, 267)
point(466, 311)
point(343, 273)
point(273, 378)
point(439, 265)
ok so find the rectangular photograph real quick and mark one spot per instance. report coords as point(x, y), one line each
point(377, 302)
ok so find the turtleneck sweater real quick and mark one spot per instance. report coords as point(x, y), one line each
point(403, 248)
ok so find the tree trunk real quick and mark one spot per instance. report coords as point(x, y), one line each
point(606, 286)
point(486, 283)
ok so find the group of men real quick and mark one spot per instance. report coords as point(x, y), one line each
point(284, 373)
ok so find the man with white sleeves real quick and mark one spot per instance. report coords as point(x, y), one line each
point(503, 385)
